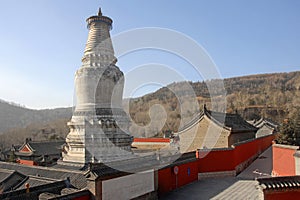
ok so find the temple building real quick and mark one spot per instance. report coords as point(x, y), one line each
point(43, 153)
point(98, 128)
point(214, 130)
point(265, 127)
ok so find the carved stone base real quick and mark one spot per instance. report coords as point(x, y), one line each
point(97, 140)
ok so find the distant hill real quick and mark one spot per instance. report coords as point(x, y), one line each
point(15, 116)
point(275, 96)
point(56, 129)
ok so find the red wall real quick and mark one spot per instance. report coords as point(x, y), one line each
point(86, 197)
point(25, 149)
point(214, 161)
point(163, 140)
point(283, 195)
point(228, 159)
point(26, 162)
point(167, 178)
point(283, 160)
point(245, 151)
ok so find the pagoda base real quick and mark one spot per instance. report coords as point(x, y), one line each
point(92, 142)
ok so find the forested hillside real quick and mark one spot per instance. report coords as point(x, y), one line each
point(275, 96)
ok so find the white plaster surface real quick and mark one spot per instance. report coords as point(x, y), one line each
point(297, 163)
point(128, 187)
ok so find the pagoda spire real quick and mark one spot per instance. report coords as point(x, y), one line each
point(99, 12)
point(99, 50)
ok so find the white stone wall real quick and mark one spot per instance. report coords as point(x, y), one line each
point(128, 187)
point(221, 174)
point(297, 162)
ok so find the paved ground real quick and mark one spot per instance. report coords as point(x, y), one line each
point(242, 187)
point(261, 167)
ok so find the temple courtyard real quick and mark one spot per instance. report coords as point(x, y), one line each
point(243, 186)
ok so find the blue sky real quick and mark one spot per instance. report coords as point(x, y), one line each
point(42, 41)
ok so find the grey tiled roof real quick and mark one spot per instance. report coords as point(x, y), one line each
point(70, 166)
point(233, 122)
point(268, 122)
point(72, 195)
point(41, 180)
point(192, 122)
point(279, 183)
point(122, 167)
point(37, 181)
point(265, 126)
point(77, 177)
point(263, 131)
point(4, 174)
point(12, 180)
point(45, 148)
point(34, 193)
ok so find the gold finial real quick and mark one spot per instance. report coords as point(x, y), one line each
point(99, 12)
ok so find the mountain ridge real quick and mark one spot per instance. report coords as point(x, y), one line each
point(273, 95)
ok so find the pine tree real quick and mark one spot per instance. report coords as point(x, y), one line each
point(12, 157)
point(297, 128)
point(290, 131)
